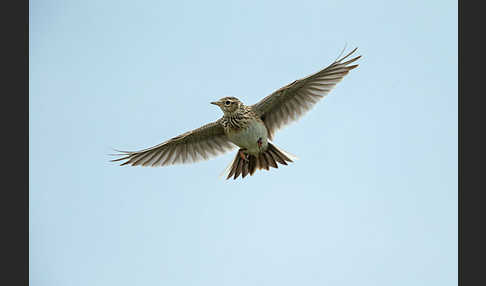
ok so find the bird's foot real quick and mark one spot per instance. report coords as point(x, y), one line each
point(243, 155)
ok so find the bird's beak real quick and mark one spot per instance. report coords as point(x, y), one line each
point(215, 103)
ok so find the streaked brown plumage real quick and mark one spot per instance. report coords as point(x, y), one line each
point(249, 127)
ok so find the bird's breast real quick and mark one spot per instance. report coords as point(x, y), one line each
point(253, 137)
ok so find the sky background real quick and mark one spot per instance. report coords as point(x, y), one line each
point(372, 199)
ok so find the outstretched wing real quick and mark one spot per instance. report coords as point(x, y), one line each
point(199, 144)
point(290, 102)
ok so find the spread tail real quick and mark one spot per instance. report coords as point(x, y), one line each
point(270, 158)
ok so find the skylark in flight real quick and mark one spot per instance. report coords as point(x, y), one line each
point(251, 128)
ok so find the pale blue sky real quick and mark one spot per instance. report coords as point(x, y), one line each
point(371, 201)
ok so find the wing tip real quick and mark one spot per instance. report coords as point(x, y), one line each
point(347, 55)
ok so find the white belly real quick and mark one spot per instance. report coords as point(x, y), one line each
point(248, 137)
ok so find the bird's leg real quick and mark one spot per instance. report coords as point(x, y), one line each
point(259, 142)
point(243, 155)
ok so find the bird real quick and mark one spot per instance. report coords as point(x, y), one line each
point(252, 128)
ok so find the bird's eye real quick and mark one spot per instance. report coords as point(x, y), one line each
point(227, 102)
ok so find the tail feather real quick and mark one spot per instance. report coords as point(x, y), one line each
point(246, 170)
point(230, 170)
point(251, 163)
point(239, 168)
point(270, 160)
point(263, 161)
point(277, 158)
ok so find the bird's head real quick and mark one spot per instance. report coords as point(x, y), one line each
point(229, 105)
